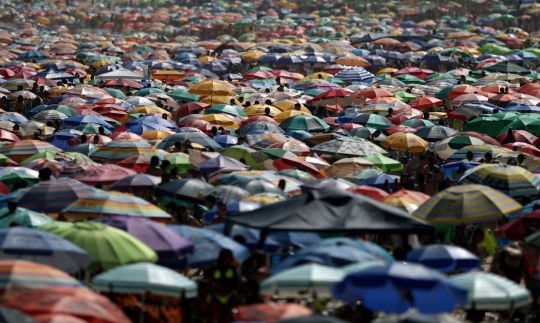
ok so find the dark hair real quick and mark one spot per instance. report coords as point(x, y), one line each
point(154, 161)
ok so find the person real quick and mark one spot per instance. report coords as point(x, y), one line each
point(45, 174)
point(222, 213)
point(488, 158)
point(469, 156)
point(226, 283)
point(512, 162)
point(210, 202)
point(154, 168)
point(165, 164)
point(282, 184)
point(254, 271)
point(101, 131)
point(474, 245)
point(177, 147)
point(95, 140)
point(390, 113)
point(19, 105)
point(520, 160)
point(267, 112)
point(510, 263)
point(183, 217)
point(17, 131)
point(374, 135)
point(422, 167)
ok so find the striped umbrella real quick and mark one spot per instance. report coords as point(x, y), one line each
point(487, 291)
point(101, 203)
point(73, 170)
point(119, 150)
point(104, 174)
point(54, 195)
point(28, 274)
point(20, 150)
point(466, 204)
point(513, 181)
point(478, 152)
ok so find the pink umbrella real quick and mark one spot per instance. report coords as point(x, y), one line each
point(466, 98)
point(104, 174)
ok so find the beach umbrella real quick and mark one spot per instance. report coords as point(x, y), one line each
point(193, 137)
point(513, 181)
point(232, 207)
point(86, 119)
point(403, 141)
point(212, 88)
point(20, 150)
point(372, 121)
point(478, 152)
point(445, 258)
point(447, 147)
point(43, 248)
point(159, 238)
point(103, 174)
point(208, 245)
point(271, 312)
point(487, 291)
point(215, 164)
point(434, 133)
point(380, 287)
point(345, 147)
point(23, 217)
point(304, 122)
point(62, 191)
point(119, 150)
point(251, 237)
point(46, 304)
point(302, 282)
point(135, 183)
point(109, 247)
point(186, 189)
point(102, 204)
point(21, 273)
point(297, 174)
point(227, 193)
point(453, 205)
point(143, 278)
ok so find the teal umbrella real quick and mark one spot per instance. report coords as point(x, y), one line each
point(488, 125)
point(227, 109)
point(115, 93)
point(148, 90)
point(183, 95)
point(142, 278)
point(22, 217)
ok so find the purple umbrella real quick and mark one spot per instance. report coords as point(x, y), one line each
point(326, 182)
point(220, 162)
point(165, 242)
point(135, 183)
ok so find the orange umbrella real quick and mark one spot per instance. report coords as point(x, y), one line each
point(352, 61)
point(411, 195)
point(271, 312)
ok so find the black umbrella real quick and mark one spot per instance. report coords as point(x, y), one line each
point(434, 133)
point(227, 193)
point(331, 210)
point(187, 189)
point(194, 137)
point(507, 67)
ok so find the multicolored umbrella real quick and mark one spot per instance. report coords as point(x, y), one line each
point(119, 150)
point(18, 151)
point(466, 204)
point(103, 174)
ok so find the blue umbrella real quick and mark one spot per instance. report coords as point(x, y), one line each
point(381, 181)
point(153, 120)
point(60, 139)
point(268, 59)
point(375, 60)
point(332, 255)
point(526, 56)
point(361, 52)
point(192, 61)
point(450, 168)
point(249, 237)
point(408, 24)
point(226, 140)
point(141, 128)
point(362, 245)
point(297, 238)
point(299, 134)
point(220, 162)
point(288, 61)
point(397, 287)
point(15, 118)
point(347, 118)
point(215, 67)
point(435, 59)
point(20, 243)
point(444, 258)
point(13, 196)
point(523, 108)
point(357, 74)
point(208, 245)
point(85, 119)
point(232, 207)
point(393, 55)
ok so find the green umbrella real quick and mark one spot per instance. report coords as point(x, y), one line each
point(247, 37)
point(443, 93)
point(298, 174)
point(260, 68)
point(65, 110)
point(109, 247)
point(180, 161)
point(47, 154)
point(479, 74)
point(507, 16)
point(506, 117)
point(437, 77)
point(91, 128)
point(534, 75)
point(193, 79)
point(115, 93)
point(488, 125)
point(313, 92)
point(23, 217)
point(409, 123)
point(385, 163)
point(148, 90)
point(227, 109)
point(409, 79)
point(15, 178)
point(272, 153)
point(184, 96)
point(335, 80)
point(405, 96)
point(143, 278)
point(241, 152)
point(523, 122)
point(79, 158)
point(384, 76)
point(506, 67)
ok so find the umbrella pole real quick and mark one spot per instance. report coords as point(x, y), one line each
point(143, 308)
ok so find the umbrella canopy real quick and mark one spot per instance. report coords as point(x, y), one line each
point(142, 278)
point(109, 247)
point(21, 273)
point(189, 190)
point(454, 205)
point(23, 217)
point(403, 141)
point(18, 151)
point(445, 258)
point(43, 248)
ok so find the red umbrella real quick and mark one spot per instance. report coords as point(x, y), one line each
point(457, 115)
point(500, 98)
point(270, 312)
point(485, 138)
point(519, 136)
point(109, 101)
point(126, 136)
point(496, 88)
point(373, 192)
point(524, 89)
point(4, 189)
point(90, 138)
point(258, 75)
point(104, 174)
point(46, 82)
point(331, 121)
point(194, 123)
point(334, 69)
point(399, 128)
point(8, 136)
point(463, 89)
point(297, 147)
point(285, 74)
point(425, 102)
point(415, 71)
point(334, 108)
point(121, 83)
point(523, 147)
point(517, 229)
point(406, 47)
point(258, 118)
point(411, 195)
point(136, 163)
point(397, 120)
point(375, 93)
point(350, 126)
point(287, 163)
point(190, 108)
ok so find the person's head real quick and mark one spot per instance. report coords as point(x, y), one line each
point(469, 155)
point(16, 127)
point(240, 99)
point(513, 256)
point(479, 236)
point(165, 165)
point(495, 111)
point(282, 184)
point(165, 178)
point(225, 258)
point(177, 145)
point(45, 174)
point(241, 140)
point(23, 184)
point(423, 160)
point(426, 115)
point(390, 111)
point(376, 133)
point(20, 98)
point(232, 102)
point(512, 162)
point(297, 106)
point(210, 201)
point(268, 102)
point(222, 209)
point(256, 102)
point(164, 116)
point(267, 111)
point(525, 199)
point(154, 161)
point(101, 130)
point(96, 140)
point(49, 123)
point(214, 130)
point(12, 206)
point(536, 206)
point(520, 158)
point(488, 157)
point(83, 138)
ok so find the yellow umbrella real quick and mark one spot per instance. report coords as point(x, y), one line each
point(280, 117)
point(258, 110)
point(206, 59)
point(157, 134)
point(168, 75)
point(286, 105)
point(58, 91)
point(346, 166)
point(219, 99)
point(212, 88)
point(148, 109)
point(387, 70)
point(403, 141)
point(403, 203)
point(352, 61)
point(264, 199)
point(320, 75)
point(252, 55)
point(43, 20)
point(220, 119)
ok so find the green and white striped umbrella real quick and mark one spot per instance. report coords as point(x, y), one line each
point(302, 282)
point(447, 147)
point(488, 291)
point(145, 277)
